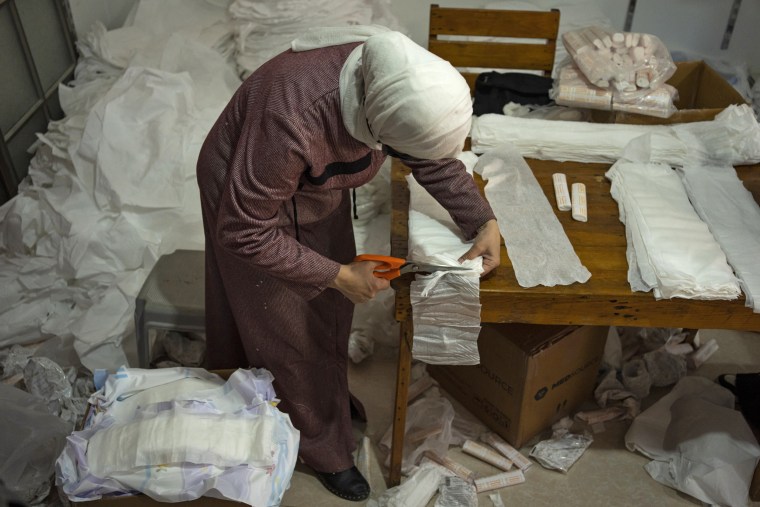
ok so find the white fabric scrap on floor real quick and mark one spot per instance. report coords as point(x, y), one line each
point(446, 305)
point(85, 229)
point(732, 138)
point(537, 245)
point(670, 250)
point(698, 442)
point(733, 217)
point(183, 433)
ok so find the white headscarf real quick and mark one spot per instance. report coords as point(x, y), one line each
point(397, 93)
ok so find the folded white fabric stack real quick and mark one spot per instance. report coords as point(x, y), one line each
point(732, 138)
point(446, 304)
point(265, 28)
point(177, 434)
point(670, 250)
point(733, 216)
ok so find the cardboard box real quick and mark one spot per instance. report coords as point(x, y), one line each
point(702, 94)
point(146, 501)
point(529, 376)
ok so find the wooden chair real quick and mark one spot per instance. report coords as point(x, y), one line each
point(494, 23)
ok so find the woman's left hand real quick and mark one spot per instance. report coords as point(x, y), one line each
point(488, 245)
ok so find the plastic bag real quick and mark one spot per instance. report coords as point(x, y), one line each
point(27, 459)
point(428, 427)
point(630, 64)
point(456, 492)
point(560, 453)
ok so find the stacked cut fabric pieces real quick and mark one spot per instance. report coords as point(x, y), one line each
point(733, 216)
point(732, 138)
point(670, 250)
point(446, 304)
point(177, 434)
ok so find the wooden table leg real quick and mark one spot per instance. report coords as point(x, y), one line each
point(402, 390)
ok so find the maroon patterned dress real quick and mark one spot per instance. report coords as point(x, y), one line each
point(274, 176)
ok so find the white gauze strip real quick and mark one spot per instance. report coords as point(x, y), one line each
point(733, 217)
point(537, 245)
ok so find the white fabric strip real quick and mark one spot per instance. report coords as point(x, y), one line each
point(733, 216)
point(537, 245)
point(670, 249)
point(446, 305)
point(732, 138)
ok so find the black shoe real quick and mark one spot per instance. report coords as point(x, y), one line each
point(348, 484)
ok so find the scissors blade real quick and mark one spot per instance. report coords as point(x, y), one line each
point(430, 268)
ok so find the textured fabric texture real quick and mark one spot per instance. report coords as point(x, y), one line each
point(274, 174)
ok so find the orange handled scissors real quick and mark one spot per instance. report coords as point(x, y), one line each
point(393, 267)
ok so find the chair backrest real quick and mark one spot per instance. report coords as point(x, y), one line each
point(494, 23)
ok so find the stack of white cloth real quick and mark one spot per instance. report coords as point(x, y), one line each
point(265, 28)
point(177, 434)
point(670, 250)
point(733, 216)
point(446, 304)
point(732, 138)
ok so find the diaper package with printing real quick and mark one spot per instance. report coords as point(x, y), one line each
point(177, 434)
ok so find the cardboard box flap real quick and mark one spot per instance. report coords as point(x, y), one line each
point(701, 87)
point(531, 338)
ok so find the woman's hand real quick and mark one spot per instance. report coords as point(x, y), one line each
point(488, 245)
point(357, 281)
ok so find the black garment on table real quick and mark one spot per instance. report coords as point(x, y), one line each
point(493, 90)
point(746, 388)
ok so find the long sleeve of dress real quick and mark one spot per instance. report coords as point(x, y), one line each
point(449, 183)
point(268, 162)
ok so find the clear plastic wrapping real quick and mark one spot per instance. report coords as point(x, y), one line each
point(628, 63)
point(561, 452)
point(616, 71)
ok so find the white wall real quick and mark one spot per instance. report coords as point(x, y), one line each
point(690, 25)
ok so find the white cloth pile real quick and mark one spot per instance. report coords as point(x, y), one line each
point(733, 216)
point(446, 304)
point(264, 28)
point(176, 434)
point(153, 20)
point(111, 188)
point(670, 250)
point(699, 444)
point(732, 138)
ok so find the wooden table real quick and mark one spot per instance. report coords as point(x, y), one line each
point(606, 299)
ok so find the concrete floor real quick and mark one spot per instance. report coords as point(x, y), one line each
point(607, 474)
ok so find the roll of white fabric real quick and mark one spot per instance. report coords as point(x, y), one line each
point(732, 138)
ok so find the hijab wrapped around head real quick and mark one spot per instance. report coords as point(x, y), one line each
point(396, 93)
